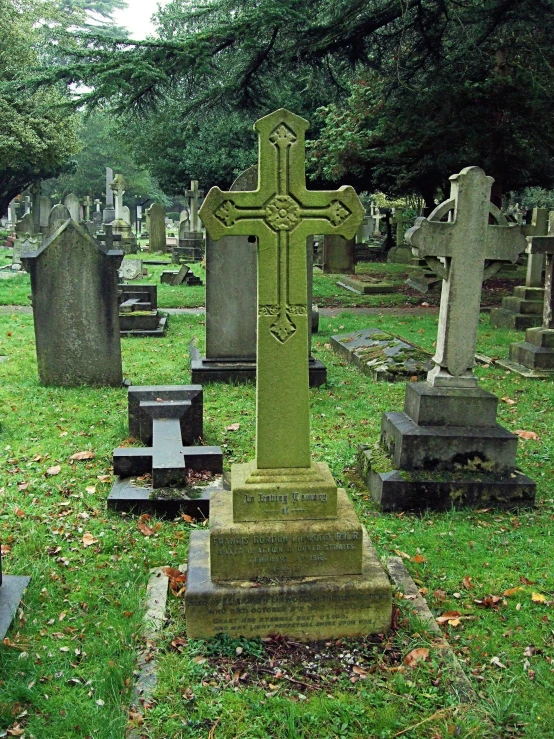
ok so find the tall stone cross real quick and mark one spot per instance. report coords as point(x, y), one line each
point(194, 194)
point(282, 213)
point(87, 202)
point(466, 243)
point(535, 262)
point(545, 245)
point(98, 203)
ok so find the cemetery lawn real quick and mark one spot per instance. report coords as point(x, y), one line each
point(66, 667)
point(15, 290)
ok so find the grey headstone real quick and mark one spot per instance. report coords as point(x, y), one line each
point(97, 221)
point(157, 227)
point(58, 216)
point(126, 214)
point(75, 309)
point(25, 225)
point(130, 269)
point(44, 211)
point(72, 204)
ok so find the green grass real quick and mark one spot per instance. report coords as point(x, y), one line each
point(67, 667)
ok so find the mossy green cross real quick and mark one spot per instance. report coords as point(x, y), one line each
point(282, 213)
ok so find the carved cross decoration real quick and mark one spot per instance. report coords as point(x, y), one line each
point(465, 243)
point(282, 213)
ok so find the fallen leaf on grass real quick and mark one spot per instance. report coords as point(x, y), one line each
point(467, 582)
point(91, 489)
point(5, 549)
point(177, 580)
point(16, 730)
point(402, 554)
point(362, 674)
point(144, 528)
point(448, 616)
point(187, 518)
point(104, 478)
point(440, 595)
point(18, 512)
point(527, 435)
point(509, 401)
point(538, 598)
point(495, 661)
point(512, 591)
point(88, 539)
point(22, 486)
point(233, 427)
point(199, 660)
point(419, 558)
point(55, 470)
point(416, 655)
point(491, 601)
point(79, 456)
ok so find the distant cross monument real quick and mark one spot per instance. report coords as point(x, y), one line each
point(466, 242)
point(194, 194)
point(544, 246)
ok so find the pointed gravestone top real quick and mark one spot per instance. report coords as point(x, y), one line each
point(75, 309)
point(282, 213)
point(467, 242)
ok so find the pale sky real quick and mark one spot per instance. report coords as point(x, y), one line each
point(136, 17)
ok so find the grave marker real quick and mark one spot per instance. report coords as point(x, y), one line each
point(282, 502)
point(156, 229)
point(446, 449)
point(71, 202)
point(12, 588)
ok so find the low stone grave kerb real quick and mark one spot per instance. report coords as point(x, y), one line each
point(168, 419)
point(366, 285)
point(12, 588)
point(382, 356)
point(446, 448)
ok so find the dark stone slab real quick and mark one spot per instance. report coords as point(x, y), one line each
point(128, 494)
point(141, 413)
point(338, 255)
point(159, 330)
point(157, 261)
point(400, 490)
point(366, 287)
point(454, 448)
point(383, 356)
point(536, 352)
point(11, 592)
point(143, 293)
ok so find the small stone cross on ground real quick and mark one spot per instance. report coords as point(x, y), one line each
point(466, 243)
point(194, 194)
point(545, 245)
point(282, 213)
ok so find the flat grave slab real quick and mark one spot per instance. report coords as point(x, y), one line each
point(383, 356)
point(527, 372)
point(363, 285)
point(11, 592)
point(136, 495)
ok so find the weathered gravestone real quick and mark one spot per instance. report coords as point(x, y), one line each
point(72, 204)
point(156, 229)
point(185, 276)
point(109, 211)
point(366, 285)
point(22, 245)
point(231, 306)
point(58, 216)
point(382, 356)
point(524, 308)
point(25, 225)
point(97, 221)
point(126, 214)
point(446, 449)
point(75, 310)
point(400, 253)
point(191, 239)
point(534, 357)
point(285, 527)
point(45, 207)
point(339, 255)
point(12, 588)
point(168, 419)
point(131, 269)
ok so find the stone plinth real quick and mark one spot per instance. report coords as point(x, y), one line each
point(138, 314)
point(536, 352)
point(445, 450)
point(305, 608)
point(520, 311)
point(366, 286)
point(128, 241)
point(190, 248)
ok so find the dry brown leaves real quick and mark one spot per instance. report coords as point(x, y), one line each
point(177, 580)
point(80, 456)
point(143, 526)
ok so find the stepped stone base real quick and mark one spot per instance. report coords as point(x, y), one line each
point(305, 609)
point(521, 311)
point(238, 371)
point(417, 491)
point(501, 318)
point(154, 324)
point(536, 352)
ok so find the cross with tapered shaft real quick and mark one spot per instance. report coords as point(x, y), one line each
point(535, 261)
point(545, 245)
point(194, 194)
point(282, 213)
point(466, 242)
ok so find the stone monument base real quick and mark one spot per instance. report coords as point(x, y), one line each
point(400, 255)
point(520, 311)
point(446, 449)
point(11, 592)
point(366, 287)
point(536, 352)
point(305, 609)
point(147, 323)
point(238, 371)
